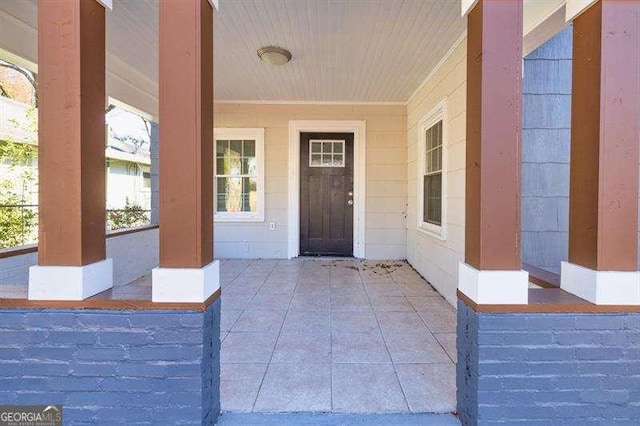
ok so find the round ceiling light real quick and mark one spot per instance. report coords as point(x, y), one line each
point(274, 55)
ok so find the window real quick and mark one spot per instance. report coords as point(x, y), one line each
point(146, 179)
point(432, 176)
point(326, 153)
point(239, 176)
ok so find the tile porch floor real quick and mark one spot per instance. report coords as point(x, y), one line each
point(348, 336)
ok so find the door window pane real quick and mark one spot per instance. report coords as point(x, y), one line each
point(326, 153)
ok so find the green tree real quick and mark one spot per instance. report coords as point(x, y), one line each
point(130, 216)
point(19, 220)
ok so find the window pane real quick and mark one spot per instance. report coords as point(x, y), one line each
point(232, 166)
point(316, 146)
point(432, 208)
point(316, 159)
point(249, 149)
point(337, 147)
point(221, 147)
point(326, 147)
point(220, 167)
point(338, 160)
point(236, 148)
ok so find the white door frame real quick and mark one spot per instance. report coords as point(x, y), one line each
point(358, 128)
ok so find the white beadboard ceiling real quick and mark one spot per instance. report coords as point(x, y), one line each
point(343, 50)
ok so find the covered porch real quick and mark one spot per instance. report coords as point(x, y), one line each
point(476, 177)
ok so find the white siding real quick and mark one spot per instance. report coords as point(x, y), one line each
point(435, 259)
point(134, 255)
point(385, 233)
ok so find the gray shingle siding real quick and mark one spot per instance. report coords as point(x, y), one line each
point(546, 138)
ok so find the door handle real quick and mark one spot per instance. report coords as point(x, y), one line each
point(350, 202)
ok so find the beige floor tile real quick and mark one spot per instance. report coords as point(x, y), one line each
point(310, 302)
point(366, 388)
point(239, 385)
point(278, 287)
point(448, 342)
point(422, 303)
point(419, 289)
point(235, 301)
point(228, 317)
point(350, 303)
point(415, 348)
point(275, 302)
point(310, 322)
point(440, 320)
point(358, 348)
point(248, 347)
point(259, 320)
point(295, 348)
point(382, 289)
point(354, 322)
point(295, 388)
point(428, 387)
point(391, 304)
point(401, 322)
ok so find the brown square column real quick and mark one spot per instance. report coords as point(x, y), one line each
point(605, 124)
point(492, 271)
point(71, 158)
point(186, 148)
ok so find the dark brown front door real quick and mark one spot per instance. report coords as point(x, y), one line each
point(326, 194)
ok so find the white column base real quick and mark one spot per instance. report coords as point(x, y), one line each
point(601, 287)
point(70, 282)
point(187, 285)
point(493, 287)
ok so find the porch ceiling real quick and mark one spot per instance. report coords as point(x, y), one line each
point(343, 50)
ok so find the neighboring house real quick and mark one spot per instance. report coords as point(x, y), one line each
point(128, 164)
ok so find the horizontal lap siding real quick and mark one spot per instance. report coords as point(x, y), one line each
point(434, 259)
point(385, 233)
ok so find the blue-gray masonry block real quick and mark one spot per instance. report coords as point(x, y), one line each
point(530, 368)
point(114, 367)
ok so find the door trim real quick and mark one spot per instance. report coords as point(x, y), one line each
point(358, 128)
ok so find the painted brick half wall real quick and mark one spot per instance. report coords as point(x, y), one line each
point(114, 367)
point(569, 369)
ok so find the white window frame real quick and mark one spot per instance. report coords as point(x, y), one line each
point(438, 113)
point(256, 134)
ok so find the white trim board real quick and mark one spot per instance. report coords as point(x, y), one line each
point(358, 128)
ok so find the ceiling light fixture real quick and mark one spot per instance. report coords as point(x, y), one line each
point(274, 55)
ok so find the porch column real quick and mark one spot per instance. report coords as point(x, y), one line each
point(491, 273)
point(187, 272)
point(71, 158)
point(605, 115)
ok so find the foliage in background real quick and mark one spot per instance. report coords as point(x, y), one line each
point(18, 219)
point(130, 216)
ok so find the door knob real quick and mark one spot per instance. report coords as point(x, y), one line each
point(350, 193)
point(350, 202)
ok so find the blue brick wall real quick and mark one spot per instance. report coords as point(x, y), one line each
point(114, 367)
point(548, 368)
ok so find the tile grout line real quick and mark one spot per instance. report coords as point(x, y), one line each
point(330, 340)
point(242, 311)
point(275, 345)
point(393, 364)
